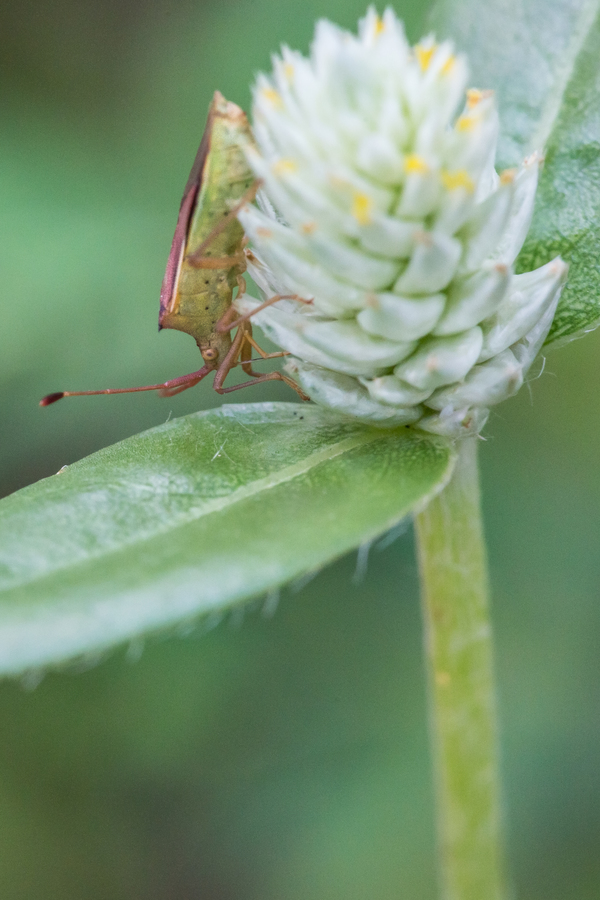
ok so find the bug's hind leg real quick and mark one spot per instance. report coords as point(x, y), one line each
point(259, 379)
point(241, 346)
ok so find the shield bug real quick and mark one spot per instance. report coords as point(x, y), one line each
point(207, 262)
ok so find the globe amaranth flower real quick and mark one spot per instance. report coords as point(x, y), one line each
point(380, 206)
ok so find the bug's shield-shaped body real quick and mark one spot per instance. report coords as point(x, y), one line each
point(206, 263)
point(206, 258)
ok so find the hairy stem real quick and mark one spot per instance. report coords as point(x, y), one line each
point(458, 647)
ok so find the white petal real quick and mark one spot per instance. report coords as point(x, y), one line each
point(348, 342)
point(529, 346)
point(432, 264)
point(389, 237)
point(521, 211)
point(379, 158)
point(368, 272)
point(456, 423)
point(401, 318)
point(440, 361)
point(473, 299)
point(485, 385)
point(530, 295)
point(389, 389)
point(420, 193)
point(455, 208)
point(345, 395)
point(266, 280)
point(487, 225)
point(472, 143)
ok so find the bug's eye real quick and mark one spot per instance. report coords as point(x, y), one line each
point(210, 354)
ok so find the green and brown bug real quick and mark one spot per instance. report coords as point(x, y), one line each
point(207, 262)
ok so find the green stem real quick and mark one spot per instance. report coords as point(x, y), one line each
point(458, 645)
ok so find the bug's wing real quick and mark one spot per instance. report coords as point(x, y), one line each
point(186, 211)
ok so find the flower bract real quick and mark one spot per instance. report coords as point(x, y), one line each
point(384, 223)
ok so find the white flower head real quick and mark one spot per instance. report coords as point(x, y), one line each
point(381, 206)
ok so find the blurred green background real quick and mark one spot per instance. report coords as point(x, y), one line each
point(270, 757)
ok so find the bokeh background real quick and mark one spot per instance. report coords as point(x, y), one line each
point(279, 757)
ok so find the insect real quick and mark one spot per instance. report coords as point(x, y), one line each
point(207, 262)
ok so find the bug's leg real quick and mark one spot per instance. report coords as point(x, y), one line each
point(166, 388)
point(225, 324)
point(259, 379)
point(260, 350)
point(241, 340)
point(231, 359)
point(250, 343)
point(246, 353)
point(171, 391)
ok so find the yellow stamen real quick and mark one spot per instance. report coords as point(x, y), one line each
point(508, 176)
point(424, 55)
point(379, 26)
point(458, 179)
point(475, 96)
point(308, 227)
point(448, 65)
point(285, 167)
point(288, 70)
point(273, 97)
point(466, 123)
point(415, 165)
point(362, 206)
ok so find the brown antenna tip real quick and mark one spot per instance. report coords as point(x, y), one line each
point(51, 398)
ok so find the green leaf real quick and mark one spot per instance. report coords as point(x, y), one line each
point(194, 516)
point(542, 57)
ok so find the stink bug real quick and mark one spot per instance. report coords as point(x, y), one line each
point(207, 262)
